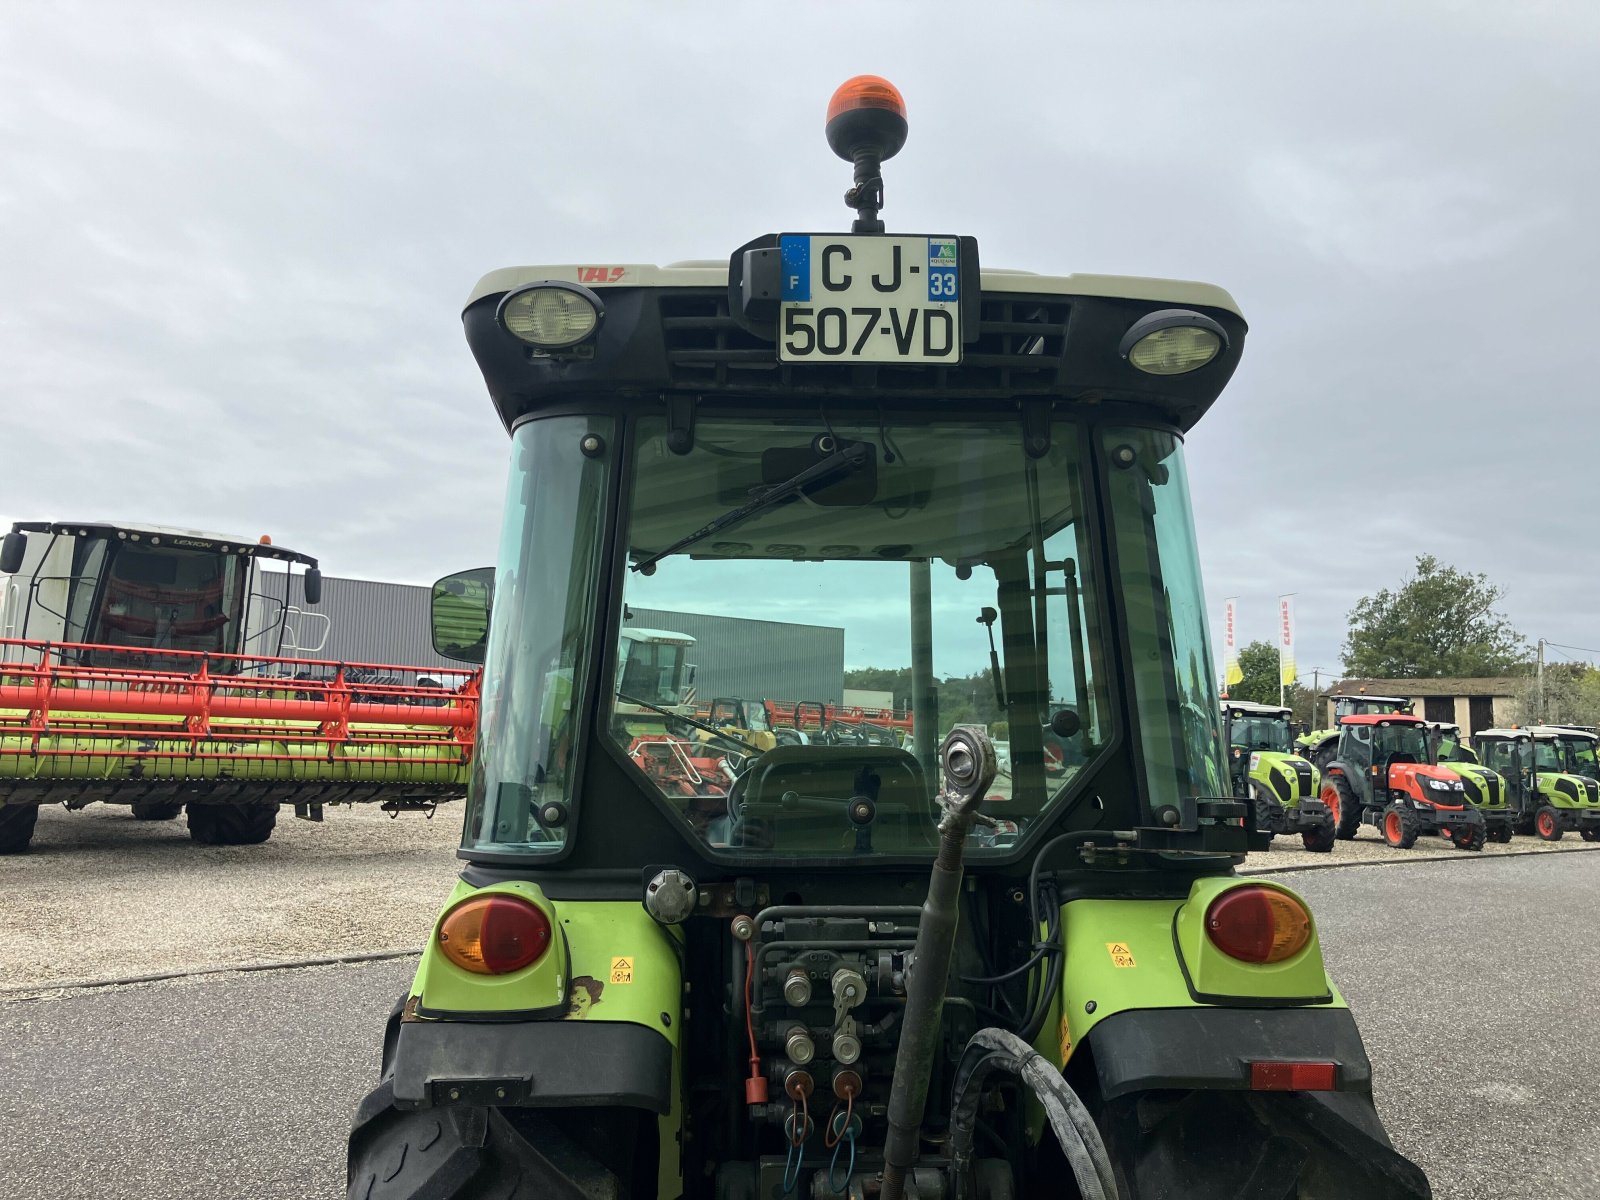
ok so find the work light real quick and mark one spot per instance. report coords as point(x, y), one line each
point(1173, 341)
point(551, 315)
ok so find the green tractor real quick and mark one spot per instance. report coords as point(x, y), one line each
point(1283, 789)
point(1551, 778)
point(1321, 745)
point(1486, 789)
point(831, 979)
point(1383, 775)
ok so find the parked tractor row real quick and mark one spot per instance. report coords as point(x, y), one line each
point(1408, 778)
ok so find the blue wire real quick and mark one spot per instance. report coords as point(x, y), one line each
point(835, 1185)
point(791, 1167)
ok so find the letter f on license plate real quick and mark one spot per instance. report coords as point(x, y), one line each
point(869, 299)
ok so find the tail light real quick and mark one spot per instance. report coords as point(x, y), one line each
point(1294, 1076)
point(1257, 924)
point(494, 934)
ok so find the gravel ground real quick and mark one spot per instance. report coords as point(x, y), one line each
point(146, 900)
point(101, 895)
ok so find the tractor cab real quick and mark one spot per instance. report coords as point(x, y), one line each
point(1282, 787)
point(1382, 774)
point(114, 591)
point(680, 966)
point(1551, 780)
point(1320, 745)
point(1484, 787)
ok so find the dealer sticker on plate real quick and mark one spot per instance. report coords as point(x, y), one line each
point(869, 299)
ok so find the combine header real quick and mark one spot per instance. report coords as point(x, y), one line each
point(127, 677)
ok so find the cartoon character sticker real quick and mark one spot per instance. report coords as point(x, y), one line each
point(583, 995)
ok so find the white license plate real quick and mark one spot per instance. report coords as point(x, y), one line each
point(869, 299)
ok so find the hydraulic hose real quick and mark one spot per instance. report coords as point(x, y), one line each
point(991, 1050)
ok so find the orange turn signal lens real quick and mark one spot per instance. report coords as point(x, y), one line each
point(866, 91)
point(1257, 924)
point(494, 934)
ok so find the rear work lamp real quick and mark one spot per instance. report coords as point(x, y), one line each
point(552, 315)
point(1173, 341)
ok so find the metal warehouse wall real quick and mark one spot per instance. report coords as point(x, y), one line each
point(372, 621)
point(380, 622)
point(756, 660)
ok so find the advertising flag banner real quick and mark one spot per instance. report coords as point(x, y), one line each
point(1231, 674)
point(1286, 674)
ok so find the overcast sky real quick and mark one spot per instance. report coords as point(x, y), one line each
point(235, 240)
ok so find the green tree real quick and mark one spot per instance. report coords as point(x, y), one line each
point(1259, 663)
point(1439, 622)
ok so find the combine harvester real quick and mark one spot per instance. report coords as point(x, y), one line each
point(828, 979)
point(157, 668)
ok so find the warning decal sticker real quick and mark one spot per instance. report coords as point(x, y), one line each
point(622, 970)
point(1121, 954)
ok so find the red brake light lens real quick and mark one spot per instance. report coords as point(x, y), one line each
point(1293, 1076)
point(1258, 924)
point(494, 935)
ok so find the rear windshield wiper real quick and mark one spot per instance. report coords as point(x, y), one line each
point(850, 457)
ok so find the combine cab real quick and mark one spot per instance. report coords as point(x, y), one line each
point(1551, 778)
point(164, 669)
point(1283, 789)
point(1382, 775)
point(830, 976)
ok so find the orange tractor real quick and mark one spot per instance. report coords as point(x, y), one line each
point(1381, 775)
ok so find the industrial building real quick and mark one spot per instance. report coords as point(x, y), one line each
point(370, 621)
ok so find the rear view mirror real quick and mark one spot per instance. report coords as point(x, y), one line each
point(312, 584)
point(12, 552)
point(460, 613)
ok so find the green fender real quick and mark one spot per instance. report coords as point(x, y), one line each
point(1143, 954)
point(610, 962)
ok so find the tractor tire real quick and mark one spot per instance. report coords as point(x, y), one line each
point(1342, 804)
point(1469, 837)
point(16, 827)
point(1269, 813)
point(1547, 824)
point(156, 810)
point(1400, 827)
point(1589, 835)
point(232, 824)
point(1319, 840)
point(1500, 833)
point(469, 1152)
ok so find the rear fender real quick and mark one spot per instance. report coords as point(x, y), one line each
point(1127, 955)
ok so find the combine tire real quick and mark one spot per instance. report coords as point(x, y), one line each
point(1342, 804)
point(1469, 837)
point(156, 810)
point(1321, 839)
point(16, 827)
point(232, 824)
point(1547, 825)
point(1400, 827)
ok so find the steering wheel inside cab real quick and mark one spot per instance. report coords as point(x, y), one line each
point(846, 799)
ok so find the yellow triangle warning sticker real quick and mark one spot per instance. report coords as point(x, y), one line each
point(1121, 954)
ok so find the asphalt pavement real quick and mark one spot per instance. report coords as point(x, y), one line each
point(1474, 981)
